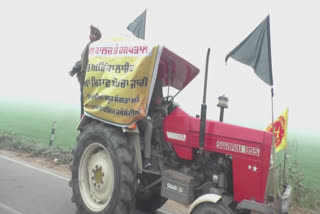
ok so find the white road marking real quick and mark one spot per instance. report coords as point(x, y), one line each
point(10, 209)
point(35, 168)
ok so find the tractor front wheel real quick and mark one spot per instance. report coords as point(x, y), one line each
point(211, 208)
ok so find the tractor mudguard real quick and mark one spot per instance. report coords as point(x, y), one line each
point(134, 137)
point(212, 198)
point(84, 121)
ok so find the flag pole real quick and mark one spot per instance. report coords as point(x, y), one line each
point(274, 157)
point(285, 182)
point(257, 59)
point(273, 137)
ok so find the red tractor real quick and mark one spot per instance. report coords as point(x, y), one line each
point(212, 166)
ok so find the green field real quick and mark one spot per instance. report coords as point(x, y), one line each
point(309, 160)
point(305, 150)
point(35, 121)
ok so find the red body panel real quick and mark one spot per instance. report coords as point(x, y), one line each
point(250, 150)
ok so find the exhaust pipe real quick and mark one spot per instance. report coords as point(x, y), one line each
point(204, 108)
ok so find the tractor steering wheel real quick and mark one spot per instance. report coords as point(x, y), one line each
point(168, 100)
point(167, 103)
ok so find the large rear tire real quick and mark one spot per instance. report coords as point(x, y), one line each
point(104, 171)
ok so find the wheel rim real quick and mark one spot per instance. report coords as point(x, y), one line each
point(96, 177)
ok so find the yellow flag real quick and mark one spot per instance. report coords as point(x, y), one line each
point(280, 130)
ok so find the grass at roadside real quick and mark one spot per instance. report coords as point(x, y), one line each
point(12, 142)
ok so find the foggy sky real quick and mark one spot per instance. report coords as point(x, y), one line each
point(41, 40)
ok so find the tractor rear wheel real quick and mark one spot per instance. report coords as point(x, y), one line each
point(104, 171)
point(211, 208)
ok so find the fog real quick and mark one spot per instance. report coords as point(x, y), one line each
point(41, 41)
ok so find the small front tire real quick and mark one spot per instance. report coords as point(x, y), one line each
point(211, 208)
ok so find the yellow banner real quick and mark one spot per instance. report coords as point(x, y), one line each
point(280, 131)
point(120, 75)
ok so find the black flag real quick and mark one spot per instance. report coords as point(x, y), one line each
point(255, 51)
point(137, 27)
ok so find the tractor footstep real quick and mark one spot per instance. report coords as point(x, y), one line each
point(152, 171)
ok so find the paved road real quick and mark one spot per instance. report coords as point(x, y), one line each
point(25, 189)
